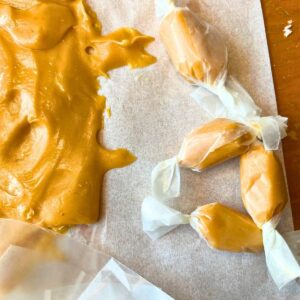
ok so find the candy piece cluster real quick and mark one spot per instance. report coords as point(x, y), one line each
point(199, 54)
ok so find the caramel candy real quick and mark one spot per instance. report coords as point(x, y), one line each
point(263, 188)
point(214, 143)
point(196, 49)
point(227, 229)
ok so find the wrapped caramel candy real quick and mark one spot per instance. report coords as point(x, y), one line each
point(223, 228)
point(263, 185)
point(226, 229)
point(264, 195)
point(214, 143)
point(206, 146)
point(196, 48)
point(199, 53)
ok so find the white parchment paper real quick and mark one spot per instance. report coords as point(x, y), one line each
point(151, 113)
point(37, 264)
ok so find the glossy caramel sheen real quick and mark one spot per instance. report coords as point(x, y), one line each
point(263, 187)
point(196, 49)
point(51, 53)
point(213, 143)
point(227, 229)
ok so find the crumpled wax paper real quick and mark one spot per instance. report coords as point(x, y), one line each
point(38, 264)
point(152, 111)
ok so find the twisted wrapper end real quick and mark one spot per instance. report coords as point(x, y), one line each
point(281, 262)
point(271, 130)
point(159, 219)
point(230, 100)
point(165, 179)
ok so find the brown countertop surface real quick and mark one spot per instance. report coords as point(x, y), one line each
point(285, 60)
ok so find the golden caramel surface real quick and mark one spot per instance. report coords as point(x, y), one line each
point(51, 53)
point(213, 143)
point(263, 187)
point(227, 229)
point(196, 49)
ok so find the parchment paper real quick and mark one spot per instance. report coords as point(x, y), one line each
point(151, 113)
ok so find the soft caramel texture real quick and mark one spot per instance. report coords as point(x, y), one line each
point(263, 187)
point(213, 143)
point(196, 49)
point(51, 53)
point(227, 229)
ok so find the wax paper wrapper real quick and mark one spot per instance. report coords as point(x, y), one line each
point(196, 153)
point(199, 53)
point(281, 256)
point(152, 112)
point(38, 264)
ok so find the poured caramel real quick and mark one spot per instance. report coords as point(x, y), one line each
point(214, 143)
point(263, 188)
point(196, 49)
point(227, 229)
point(51, 53)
